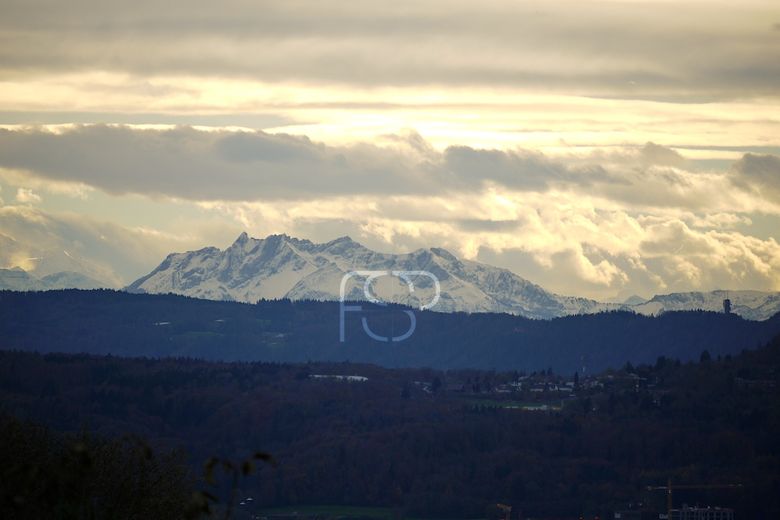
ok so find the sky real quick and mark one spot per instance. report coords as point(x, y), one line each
point(599, 149)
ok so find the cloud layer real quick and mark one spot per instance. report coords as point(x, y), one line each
point(252, 166)
point(568, 46)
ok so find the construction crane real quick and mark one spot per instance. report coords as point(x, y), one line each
point(669, 489)
point(506, 509)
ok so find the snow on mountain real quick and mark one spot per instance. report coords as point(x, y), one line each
point(280, 266)
point(18, 279)
point(752, 305)
point(71, 280)
point(634, 300)
point(40, 258)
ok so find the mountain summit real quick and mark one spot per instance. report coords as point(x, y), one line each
point(280, 266)
point(17, 279)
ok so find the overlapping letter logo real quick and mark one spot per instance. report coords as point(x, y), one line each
point(370, 276)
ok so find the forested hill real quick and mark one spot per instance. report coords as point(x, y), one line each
point(415, 442)
point(118, 323)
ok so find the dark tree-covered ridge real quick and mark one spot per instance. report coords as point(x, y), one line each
point(111, 322)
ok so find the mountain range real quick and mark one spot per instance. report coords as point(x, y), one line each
point(280, 266)
point(18, 279)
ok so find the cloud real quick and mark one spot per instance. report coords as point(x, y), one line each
point(570, 46)
point(185, 163)
point(44, 242)
point(198, 165)
point(27, 196)
point(692, 259)
point(562, 243)
point(468, 168)
point(554, 239)
point(618, 254)
point(759, 173)
point(656, 155)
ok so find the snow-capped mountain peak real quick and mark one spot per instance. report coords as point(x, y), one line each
point(17, 279)
point(280, 266)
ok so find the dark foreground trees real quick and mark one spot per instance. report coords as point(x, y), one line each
point(49, 475)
